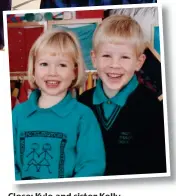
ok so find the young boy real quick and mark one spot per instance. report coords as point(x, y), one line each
point(130, 115)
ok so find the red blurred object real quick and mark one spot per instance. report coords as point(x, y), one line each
point(20, 41)
point(25, 91)
point(90, 14)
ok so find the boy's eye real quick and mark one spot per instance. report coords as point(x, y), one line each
point(43, 64)
point(125, 57)
point(106, 55)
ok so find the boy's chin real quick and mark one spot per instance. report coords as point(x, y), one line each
point(111, 91)
point(114, 87)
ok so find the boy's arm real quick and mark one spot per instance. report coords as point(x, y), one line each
point(86, 97)
point(159, 141)
point(155, 155)
point(90, 148)
point(14, 124)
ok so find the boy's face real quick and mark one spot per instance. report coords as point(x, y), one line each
point(116, 64)
point(54, 72)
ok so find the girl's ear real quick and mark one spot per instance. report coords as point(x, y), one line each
point(93, 57)
point(140, 61)
point(74, 77)
point(33, 78)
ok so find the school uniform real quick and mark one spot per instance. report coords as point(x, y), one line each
point(56, 142)
point(132, 126)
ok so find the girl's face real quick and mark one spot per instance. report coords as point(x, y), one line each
point(54, 72)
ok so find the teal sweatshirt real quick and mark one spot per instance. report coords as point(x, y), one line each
point(62, 141)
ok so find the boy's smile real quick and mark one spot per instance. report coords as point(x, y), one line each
point(114, 77)
point(116, 65)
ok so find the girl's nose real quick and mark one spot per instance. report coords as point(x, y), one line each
point(52, 70)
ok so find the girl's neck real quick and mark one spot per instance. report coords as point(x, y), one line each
point(47, 101)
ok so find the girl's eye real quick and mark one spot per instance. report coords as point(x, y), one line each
point(43, 64)
point(106, 55)
point(125, 57)
point(63, 65)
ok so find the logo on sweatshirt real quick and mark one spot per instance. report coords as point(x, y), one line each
point(125, 138)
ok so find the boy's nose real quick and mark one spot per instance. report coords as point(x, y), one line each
point(115, 63)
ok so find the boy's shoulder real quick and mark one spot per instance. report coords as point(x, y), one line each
point(87, 96)
point(140, 97)
point(144, 99)
point(144, 93)
point(141, 93)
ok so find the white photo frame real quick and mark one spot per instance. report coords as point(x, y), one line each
point(9, 140)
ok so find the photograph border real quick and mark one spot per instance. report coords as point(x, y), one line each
point(168, 173)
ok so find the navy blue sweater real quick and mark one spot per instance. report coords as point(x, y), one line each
point(135, 143)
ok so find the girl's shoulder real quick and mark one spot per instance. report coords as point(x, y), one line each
point(83, 110)
point(21, 108)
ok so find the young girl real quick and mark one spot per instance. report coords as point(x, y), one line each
point(54, 135)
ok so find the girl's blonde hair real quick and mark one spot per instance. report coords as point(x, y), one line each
point(117, 29)
point(64, 42)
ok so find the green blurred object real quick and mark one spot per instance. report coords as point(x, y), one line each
point(48, 16)
point(29, 17)
point(38, 17)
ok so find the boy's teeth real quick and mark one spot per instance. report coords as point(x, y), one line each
point(113, 75)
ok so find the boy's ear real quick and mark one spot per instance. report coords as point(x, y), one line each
point(93, 57)
point(141, 60)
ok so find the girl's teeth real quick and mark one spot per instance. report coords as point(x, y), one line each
point(52, 82)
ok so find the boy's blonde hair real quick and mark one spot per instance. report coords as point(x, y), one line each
point(64, 42)
point(117, 29)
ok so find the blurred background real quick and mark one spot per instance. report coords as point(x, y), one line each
point(44, 4)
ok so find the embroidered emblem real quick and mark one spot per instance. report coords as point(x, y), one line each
point(33, 154)
point(38, 155)
point(45, 161)
point(125, 138)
